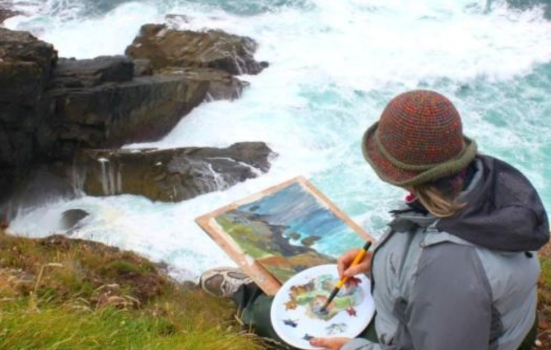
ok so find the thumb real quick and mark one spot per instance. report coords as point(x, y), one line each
point(320, 342)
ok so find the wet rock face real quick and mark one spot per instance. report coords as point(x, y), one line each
point(51, 108)
point(111, 115)
point(221, 85)
point(71, 219)
point(26, 65)
point(142, 67)
point(216, 49)
point(170, 175)
point(71, 73)
point(6, 13)
point(528, 4)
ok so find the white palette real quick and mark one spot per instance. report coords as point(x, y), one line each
point(293, 310)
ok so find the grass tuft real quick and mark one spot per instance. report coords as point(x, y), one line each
point(544, 298)
point(60, 294)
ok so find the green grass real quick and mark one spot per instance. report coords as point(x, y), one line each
point(60, 294)
point(544, 292)
point(57, 294)
point(67, 327)
point(545, 277)
point(544, 298)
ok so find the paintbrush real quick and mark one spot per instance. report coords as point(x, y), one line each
point(342, 282)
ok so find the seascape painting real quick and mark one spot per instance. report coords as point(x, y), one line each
point(287, 229)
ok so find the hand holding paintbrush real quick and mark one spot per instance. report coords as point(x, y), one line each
point(350, 264)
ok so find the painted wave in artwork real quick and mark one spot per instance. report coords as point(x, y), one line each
point(302, 213)
point(289, 231)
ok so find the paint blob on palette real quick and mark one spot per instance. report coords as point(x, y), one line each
point(314, 294)
point(294, 307)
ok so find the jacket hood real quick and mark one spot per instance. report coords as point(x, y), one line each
point(503, 212)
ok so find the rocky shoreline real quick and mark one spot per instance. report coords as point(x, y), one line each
point(169, 175)
point(72, 116)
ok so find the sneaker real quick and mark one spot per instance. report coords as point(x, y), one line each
point(223, 281)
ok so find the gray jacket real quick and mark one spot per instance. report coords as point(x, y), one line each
point(465, 283)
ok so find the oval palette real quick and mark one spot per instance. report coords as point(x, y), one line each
point(295, 310)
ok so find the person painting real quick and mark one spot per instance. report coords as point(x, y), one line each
point(457, 268)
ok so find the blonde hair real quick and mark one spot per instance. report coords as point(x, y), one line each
point(436, 201)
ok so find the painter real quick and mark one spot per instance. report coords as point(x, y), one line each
point(456, 268)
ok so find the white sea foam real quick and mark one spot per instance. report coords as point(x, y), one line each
point(334, 65)
point(74, 36)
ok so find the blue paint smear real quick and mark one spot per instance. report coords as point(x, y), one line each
point(302, 213)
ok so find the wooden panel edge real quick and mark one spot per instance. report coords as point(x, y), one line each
point(261, 276)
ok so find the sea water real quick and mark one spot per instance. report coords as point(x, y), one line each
point(334, 66)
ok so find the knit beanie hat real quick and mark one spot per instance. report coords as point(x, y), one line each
point(418, 139)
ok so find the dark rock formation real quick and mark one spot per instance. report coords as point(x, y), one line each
point(528, 4)
point(71, 73)
point(111, 115)
point(26, 65)
point(187, 49)
point(41, 187)
point(50, 108)
point(71, 219)
point(6, 13)
point(169, 175)
point(221, 85)
point(142, 67)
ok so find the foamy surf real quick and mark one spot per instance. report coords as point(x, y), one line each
point(334, 65)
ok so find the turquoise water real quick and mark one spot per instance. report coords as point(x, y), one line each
point(334, 66)
point(509, 120)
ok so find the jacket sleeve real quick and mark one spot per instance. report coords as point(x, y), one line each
point(450, 306)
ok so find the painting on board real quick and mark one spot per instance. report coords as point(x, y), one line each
point(281, 231)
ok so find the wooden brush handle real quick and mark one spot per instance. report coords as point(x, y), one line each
point(342, 282)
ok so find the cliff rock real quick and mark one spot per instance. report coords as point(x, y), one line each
point(216, 49)
point(111, 115)
point(169, 175)
point(52, 108)
point(26, 65)
point(71, 73)
point(6, 12)
point(221, 85)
